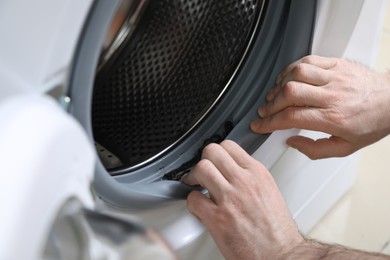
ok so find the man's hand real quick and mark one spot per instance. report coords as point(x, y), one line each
point(341, 98)
point(245, 212)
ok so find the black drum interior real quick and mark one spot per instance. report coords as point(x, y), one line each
point(167, 77)
point(154, 88)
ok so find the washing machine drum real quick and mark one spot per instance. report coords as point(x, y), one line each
point(165, 79)
point(156, 81)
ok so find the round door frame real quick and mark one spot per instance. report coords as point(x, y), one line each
point(284, 36)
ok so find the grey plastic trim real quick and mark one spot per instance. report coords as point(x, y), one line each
point(284, 36)
point(296, 44)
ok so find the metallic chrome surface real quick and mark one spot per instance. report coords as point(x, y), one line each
point(65, 102)
point(123, 24)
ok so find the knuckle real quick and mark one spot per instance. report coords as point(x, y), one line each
point(228, 143)
point(267, 125)
point(290, 114)
point(210, 149)
point(258, 166)
point(300, 71)
point(313, 156)
point(290, 90)
point(310, 59)
point(339, 62)
point(203, 166)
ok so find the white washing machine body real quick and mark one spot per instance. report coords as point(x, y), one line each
point(39, 43)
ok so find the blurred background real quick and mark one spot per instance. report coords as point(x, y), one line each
point(361, 219)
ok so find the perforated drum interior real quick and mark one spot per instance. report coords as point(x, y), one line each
point(169, 74)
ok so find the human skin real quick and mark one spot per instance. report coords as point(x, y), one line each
point(245, 212)
point(344, 99)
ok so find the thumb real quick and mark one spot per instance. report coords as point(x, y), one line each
point(201, 207)
point(321, 148)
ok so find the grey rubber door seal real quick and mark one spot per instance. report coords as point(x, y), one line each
point(284, 36)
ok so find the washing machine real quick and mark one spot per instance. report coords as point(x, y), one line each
point(104, 105)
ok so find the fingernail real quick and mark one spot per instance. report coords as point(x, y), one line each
point(262, 111)
point(184, 177)
point(255, 125)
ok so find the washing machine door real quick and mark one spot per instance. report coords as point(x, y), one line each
point(174, 77)
point(41, 169)
point(48, 210)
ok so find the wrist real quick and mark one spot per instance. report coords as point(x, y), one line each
point(385, 79)
point(314, 250)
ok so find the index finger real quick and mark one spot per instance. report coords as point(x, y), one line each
point(242, 158)
point(325, 63)
point(209, 177)
point(222, 160)
point(312, 70)
point(308, 118)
